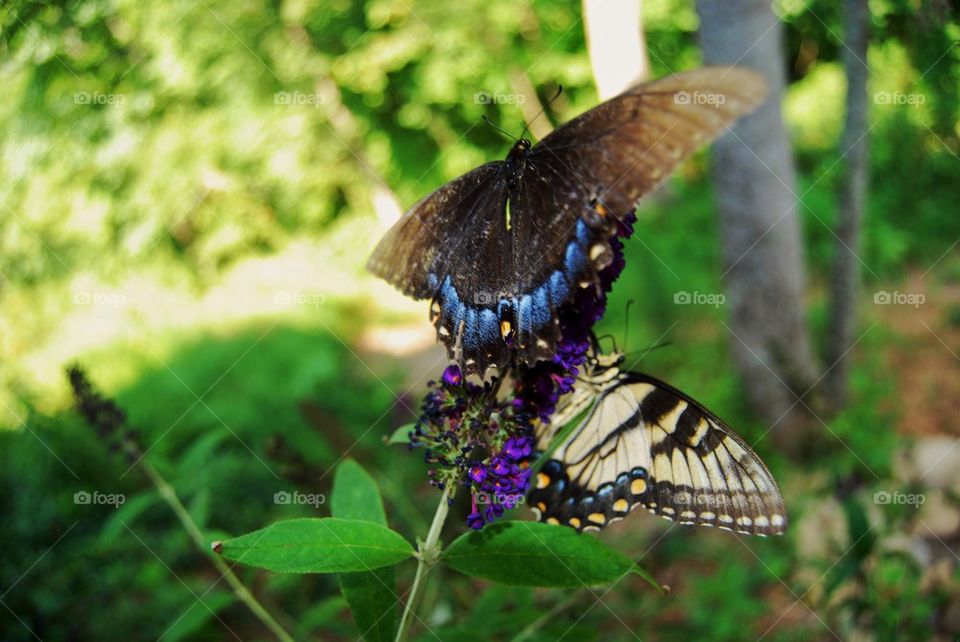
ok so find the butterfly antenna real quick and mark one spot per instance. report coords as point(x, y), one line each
point(500, 129)
point(595, 344)
point(597, 341)
point(542, 109)
point(645, 351)
point(626, 323)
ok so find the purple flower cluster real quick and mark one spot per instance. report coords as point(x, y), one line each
point(502, 483)
point(475, 440)
point(538, 388)
point(457, 419)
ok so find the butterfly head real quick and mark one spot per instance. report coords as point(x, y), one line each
point(612, 360)
point(519, 149)
point(600, 360)
point(604, 365)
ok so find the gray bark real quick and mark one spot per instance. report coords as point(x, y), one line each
point(754, 184)
point(845, 276)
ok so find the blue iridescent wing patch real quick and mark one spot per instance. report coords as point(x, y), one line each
point(501, 249)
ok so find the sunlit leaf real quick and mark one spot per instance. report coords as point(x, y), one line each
point(326, 545)
point(401, 435)
point(355, 494)
point(370, 594)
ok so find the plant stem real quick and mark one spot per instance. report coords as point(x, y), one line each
point(169, 495)
point(109, 420)
point(427, 555)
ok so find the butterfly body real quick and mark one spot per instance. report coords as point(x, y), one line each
point(514, 164)
point(501, 249)
point(645, 443)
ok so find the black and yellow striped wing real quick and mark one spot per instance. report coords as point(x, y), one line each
point(645, 443)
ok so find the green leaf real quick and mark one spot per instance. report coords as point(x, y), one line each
point(197, 613)
point(370, 594)
point(325, 616)
point(502, 610)
point(201, 451)
point(401, 435)
point(373, 601)
point(325, 545)
point(120, 520)
point(355, 495)
point(536, 554)
point(199, 507)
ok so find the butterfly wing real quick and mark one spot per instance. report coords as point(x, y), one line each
point(625, 147)
point(502, 248)
point(578, 180)
point(430, 239)
point(450, 247)
point(495, 293)
point(645, 443)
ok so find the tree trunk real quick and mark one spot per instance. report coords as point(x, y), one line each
point(617, 45)
point(845, 279)
point(753, 175)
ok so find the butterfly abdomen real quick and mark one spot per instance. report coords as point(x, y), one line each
point(513, 165)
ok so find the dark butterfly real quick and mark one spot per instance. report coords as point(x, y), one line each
point(501, 248)
point(644, 443)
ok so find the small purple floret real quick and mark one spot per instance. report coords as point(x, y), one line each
point(487, 445)
point(452, 376)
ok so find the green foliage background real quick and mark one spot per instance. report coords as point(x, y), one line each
point(170, 221)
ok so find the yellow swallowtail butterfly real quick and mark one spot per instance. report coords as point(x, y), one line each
point(640, 442)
